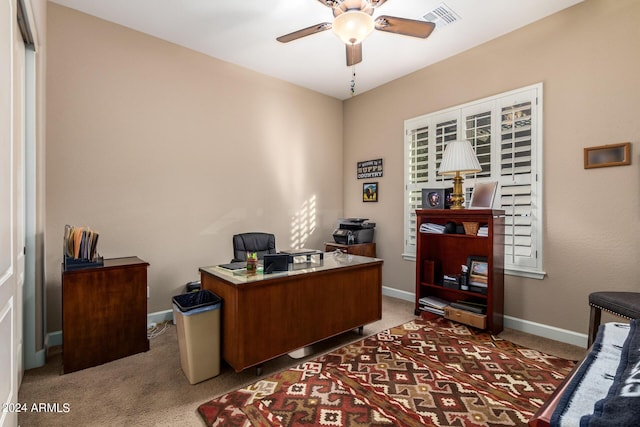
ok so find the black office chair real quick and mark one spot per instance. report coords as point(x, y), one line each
point(261, 243)
point(623, 304)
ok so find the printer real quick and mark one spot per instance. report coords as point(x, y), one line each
point(354, 230)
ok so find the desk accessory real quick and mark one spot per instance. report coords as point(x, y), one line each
point(275, 262)
point(80, 248)
point(436, 198)
point(252, 262)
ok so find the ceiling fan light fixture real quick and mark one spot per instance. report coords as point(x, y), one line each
point(353, 26)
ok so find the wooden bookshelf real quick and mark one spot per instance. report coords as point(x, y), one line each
point(444, 254)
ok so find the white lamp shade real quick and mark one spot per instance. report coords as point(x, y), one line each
point(353, 26)
point(459, 157)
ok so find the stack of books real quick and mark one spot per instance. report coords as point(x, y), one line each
point(478, 284)
point(483, 231)
point(433, 305)
point(431, 228)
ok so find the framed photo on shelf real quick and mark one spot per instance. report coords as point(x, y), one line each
point(370, 192)
point(483, 195)
point(436, 198)
point(478, 271)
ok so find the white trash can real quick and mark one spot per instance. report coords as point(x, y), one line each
point(197, 318)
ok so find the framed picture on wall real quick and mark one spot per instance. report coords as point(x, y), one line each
point(607, 155)
point(370, 192)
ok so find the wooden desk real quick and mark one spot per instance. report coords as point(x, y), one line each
point(104, 313)
point(266, 316)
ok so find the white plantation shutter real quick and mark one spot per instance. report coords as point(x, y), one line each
point(446, 130)
point(505, 131)
point(418, 171)
point(478, 132)
point(517, 179)
point(424, 145)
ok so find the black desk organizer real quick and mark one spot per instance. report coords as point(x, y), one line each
point(71, 263)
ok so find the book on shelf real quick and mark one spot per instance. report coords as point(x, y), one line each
point(467, 307)
point(483, 231)
point(478, 283)
point(435, 302)
point(430, 227)
point(431, 309)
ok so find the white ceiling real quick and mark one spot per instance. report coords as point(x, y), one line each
point(244, 32)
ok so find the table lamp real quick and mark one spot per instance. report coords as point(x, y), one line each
point(458, 159)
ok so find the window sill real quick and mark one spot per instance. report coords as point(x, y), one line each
point(531, 274)
point(409, 257)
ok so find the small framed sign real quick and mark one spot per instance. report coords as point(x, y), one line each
point(370, 169)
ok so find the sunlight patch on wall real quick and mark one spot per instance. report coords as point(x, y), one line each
point(303, 223)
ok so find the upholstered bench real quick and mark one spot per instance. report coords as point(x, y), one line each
point(601, 390)
point(624, 304)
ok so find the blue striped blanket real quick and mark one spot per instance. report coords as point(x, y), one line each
point(605, 391)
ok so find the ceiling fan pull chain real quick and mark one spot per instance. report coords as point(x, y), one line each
point(353, 80)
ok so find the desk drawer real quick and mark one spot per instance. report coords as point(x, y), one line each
point(466, 317)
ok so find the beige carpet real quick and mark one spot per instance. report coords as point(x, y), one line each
point(149, 389)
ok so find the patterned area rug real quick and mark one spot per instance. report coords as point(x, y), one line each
point(422, 373)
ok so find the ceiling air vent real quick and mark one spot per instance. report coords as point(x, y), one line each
point(442, 15)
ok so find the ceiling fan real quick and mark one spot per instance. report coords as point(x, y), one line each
point(353, 22)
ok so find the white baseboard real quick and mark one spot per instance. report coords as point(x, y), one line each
point(160, 316)
point(539, 329)
point(545, 331)
point(395, 293)
point(53, 339)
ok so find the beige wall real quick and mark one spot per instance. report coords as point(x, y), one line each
point(168, 153)
point(587, 59)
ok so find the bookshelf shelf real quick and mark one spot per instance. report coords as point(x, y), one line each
point(440, 255)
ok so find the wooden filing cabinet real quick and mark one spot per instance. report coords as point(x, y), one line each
point(363, 249)
point(104, 313)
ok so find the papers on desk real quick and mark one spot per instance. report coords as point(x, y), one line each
point(234, 265)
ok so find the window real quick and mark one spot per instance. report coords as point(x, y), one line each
point(506, 133)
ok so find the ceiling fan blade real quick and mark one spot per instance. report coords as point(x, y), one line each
point(329, 3)
point(377, 3)
point(318, 28)
point(407, 27)
point(354, 53)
